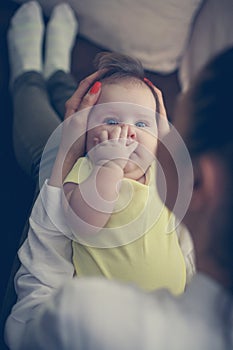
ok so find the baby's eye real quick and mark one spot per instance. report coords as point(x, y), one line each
point(111, 121)
point(141, 124)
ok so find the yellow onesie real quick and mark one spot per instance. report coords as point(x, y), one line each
point(149, 254)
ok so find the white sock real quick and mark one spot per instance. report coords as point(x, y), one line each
point(25, 40)
point(60, 37)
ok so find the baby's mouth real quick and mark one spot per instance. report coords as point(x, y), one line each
point(129, 141)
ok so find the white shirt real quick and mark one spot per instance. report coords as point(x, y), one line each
point(99, 314)
point(46, 265)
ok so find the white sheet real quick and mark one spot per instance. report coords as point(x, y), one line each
point(155, 31)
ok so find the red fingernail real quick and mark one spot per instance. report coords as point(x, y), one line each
point(95, 88)
point(147, 81)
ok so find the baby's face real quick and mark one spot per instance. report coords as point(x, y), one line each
point(125, 103)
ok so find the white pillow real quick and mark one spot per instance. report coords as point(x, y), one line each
point(155, 31)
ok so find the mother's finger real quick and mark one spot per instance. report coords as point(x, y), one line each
point(73, 104)
point(158, 93)
point(162, 108)
point(162, 120)
point(91, 97)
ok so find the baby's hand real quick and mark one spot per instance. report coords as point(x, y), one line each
point(113, 147)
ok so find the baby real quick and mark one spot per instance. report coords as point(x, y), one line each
point(111, 196)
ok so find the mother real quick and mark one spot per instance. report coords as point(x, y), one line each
point(99, 314)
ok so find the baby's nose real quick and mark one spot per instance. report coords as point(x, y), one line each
point(131, 131)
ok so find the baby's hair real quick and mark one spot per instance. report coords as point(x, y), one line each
point(119, 66)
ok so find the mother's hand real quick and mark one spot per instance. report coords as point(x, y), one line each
point(74, 127)
point(161, 117)
point(78, 108)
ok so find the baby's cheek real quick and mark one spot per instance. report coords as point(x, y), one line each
point(151, 143)
point(155, 148)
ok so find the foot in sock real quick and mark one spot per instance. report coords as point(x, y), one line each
point(25, 39)
point(60, 37)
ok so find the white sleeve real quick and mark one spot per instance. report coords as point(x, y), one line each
point(46, 262)
point(89, 313)
point(187, 248)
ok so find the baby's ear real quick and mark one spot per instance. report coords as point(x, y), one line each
point(208, 179)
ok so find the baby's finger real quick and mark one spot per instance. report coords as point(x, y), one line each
point(124, 132)
point(103, 136)
point(132, 146)
point(114, 132)
point(96, 141)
